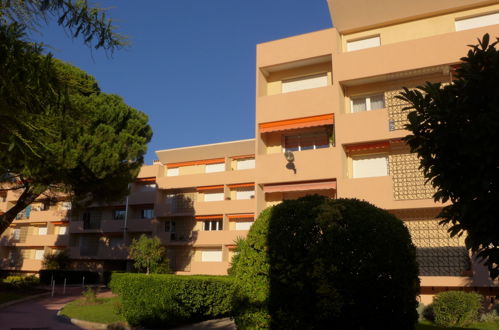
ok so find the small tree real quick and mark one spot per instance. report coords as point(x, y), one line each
point(148, 254)
point(57, 260)
point(455, 129)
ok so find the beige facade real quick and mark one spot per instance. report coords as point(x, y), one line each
point(329, 99)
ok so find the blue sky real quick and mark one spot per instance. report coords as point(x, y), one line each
point(191, 63)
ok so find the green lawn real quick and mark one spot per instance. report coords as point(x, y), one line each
point(104, 311)
point(425, 325)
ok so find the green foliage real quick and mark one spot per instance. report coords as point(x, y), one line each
point(428, 313)
point(313, 262)
point(90, 295)
point(147, 253)
point(22, 281)
point(454, 129)
point(160, 301)
point(491, 316)
point(57, 260)
point(456, 308)
point(104, 311)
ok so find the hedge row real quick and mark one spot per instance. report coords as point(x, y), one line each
point(159, 301)
point(71, 276)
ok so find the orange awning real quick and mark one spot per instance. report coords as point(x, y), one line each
point(243, 157)
point(241, 185)
point(283, 125)
point(151, 179)
point(197, 162)
point(235, 217)
point(300, 186)
point(209, 187)
point(207, 217)
point(367, 147)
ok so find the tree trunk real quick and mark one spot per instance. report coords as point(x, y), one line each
point(27, 197)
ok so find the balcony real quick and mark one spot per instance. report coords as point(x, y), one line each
point(206, 179)
point(110, 226)
point(27, 265)
point(365, 126)
point(49, 215)
point(378, 191)
point(202, 238)
point(319, 164)
point(142, 197)
point(36, 240)
point(408, 55)
point(305, 103)
point(208, 208)
point(103, 252)
point(207, 268)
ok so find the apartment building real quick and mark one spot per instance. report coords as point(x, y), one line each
point(327, 122)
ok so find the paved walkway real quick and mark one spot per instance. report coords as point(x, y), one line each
point(39, 314)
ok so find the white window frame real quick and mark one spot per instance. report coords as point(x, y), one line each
point(211, 256)
point(39, 254)
point(213, 225)
point(363, 43)
point(245, 194)
point(301, 83)
point(213, 197)
point(173, 171)
point(474, 22)
point(367, 99)
point(42, 230)
point(244, 225)
point(62, 230)
point(214, 168)
point(16, 234)
point(245, 164)
point(355, 174)
point(300, 147)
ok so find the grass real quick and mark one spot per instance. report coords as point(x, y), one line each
point(104, 311)
point(425, 325)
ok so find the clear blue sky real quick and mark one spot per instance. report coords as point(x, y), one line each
point(191, 63)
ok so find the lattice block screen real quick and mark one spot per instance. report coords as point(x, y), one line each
point(397, 116)
point(408, 179)
point(437, 253)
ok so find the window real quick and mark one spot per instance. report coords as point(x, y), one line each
point(212, 225)
point(172, 171)
point(42, 231)
point(170, 226)
point(89, 245)
point(16, 234)
point(306, 82)
point(247, 193)
point(147, 213)
point(245, 164)
point(115, 242)
point(211, 168)
point(367, 103)
point(306, 141)
point(243, 225)
point(62, 230)
point(363, 43)
point(39, 254)
point(211, 256)
point(119, 214)
point(369, 166)
point(147, 187)
point(66, 206)
point(213, 196)
point(477, 21)
point(91, 219)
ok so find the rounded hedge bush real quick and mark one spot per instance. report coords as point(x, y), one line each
point(456, 308)
point(315, 262)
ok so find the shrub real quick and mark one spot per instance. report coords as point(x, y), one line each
point(428, 313)
point(489, 317)
point(160, 301)
point(90, 295)
point(22, 281)
point(56, 260)
point(456, 308)
point(71, 276)
point(312, 262)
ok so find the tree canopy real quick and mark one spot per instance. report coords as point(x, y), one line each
point(92, 146)
point(454, 130)
point(147, 253)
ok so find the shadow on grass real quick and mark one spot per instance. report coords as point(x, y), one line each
point(428, 326)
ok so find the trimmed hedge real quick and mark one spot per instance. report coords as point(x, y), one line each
point(315, 262)
point(159, 301)
point(456, 308)
point(71, 276)
point(22, 281)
